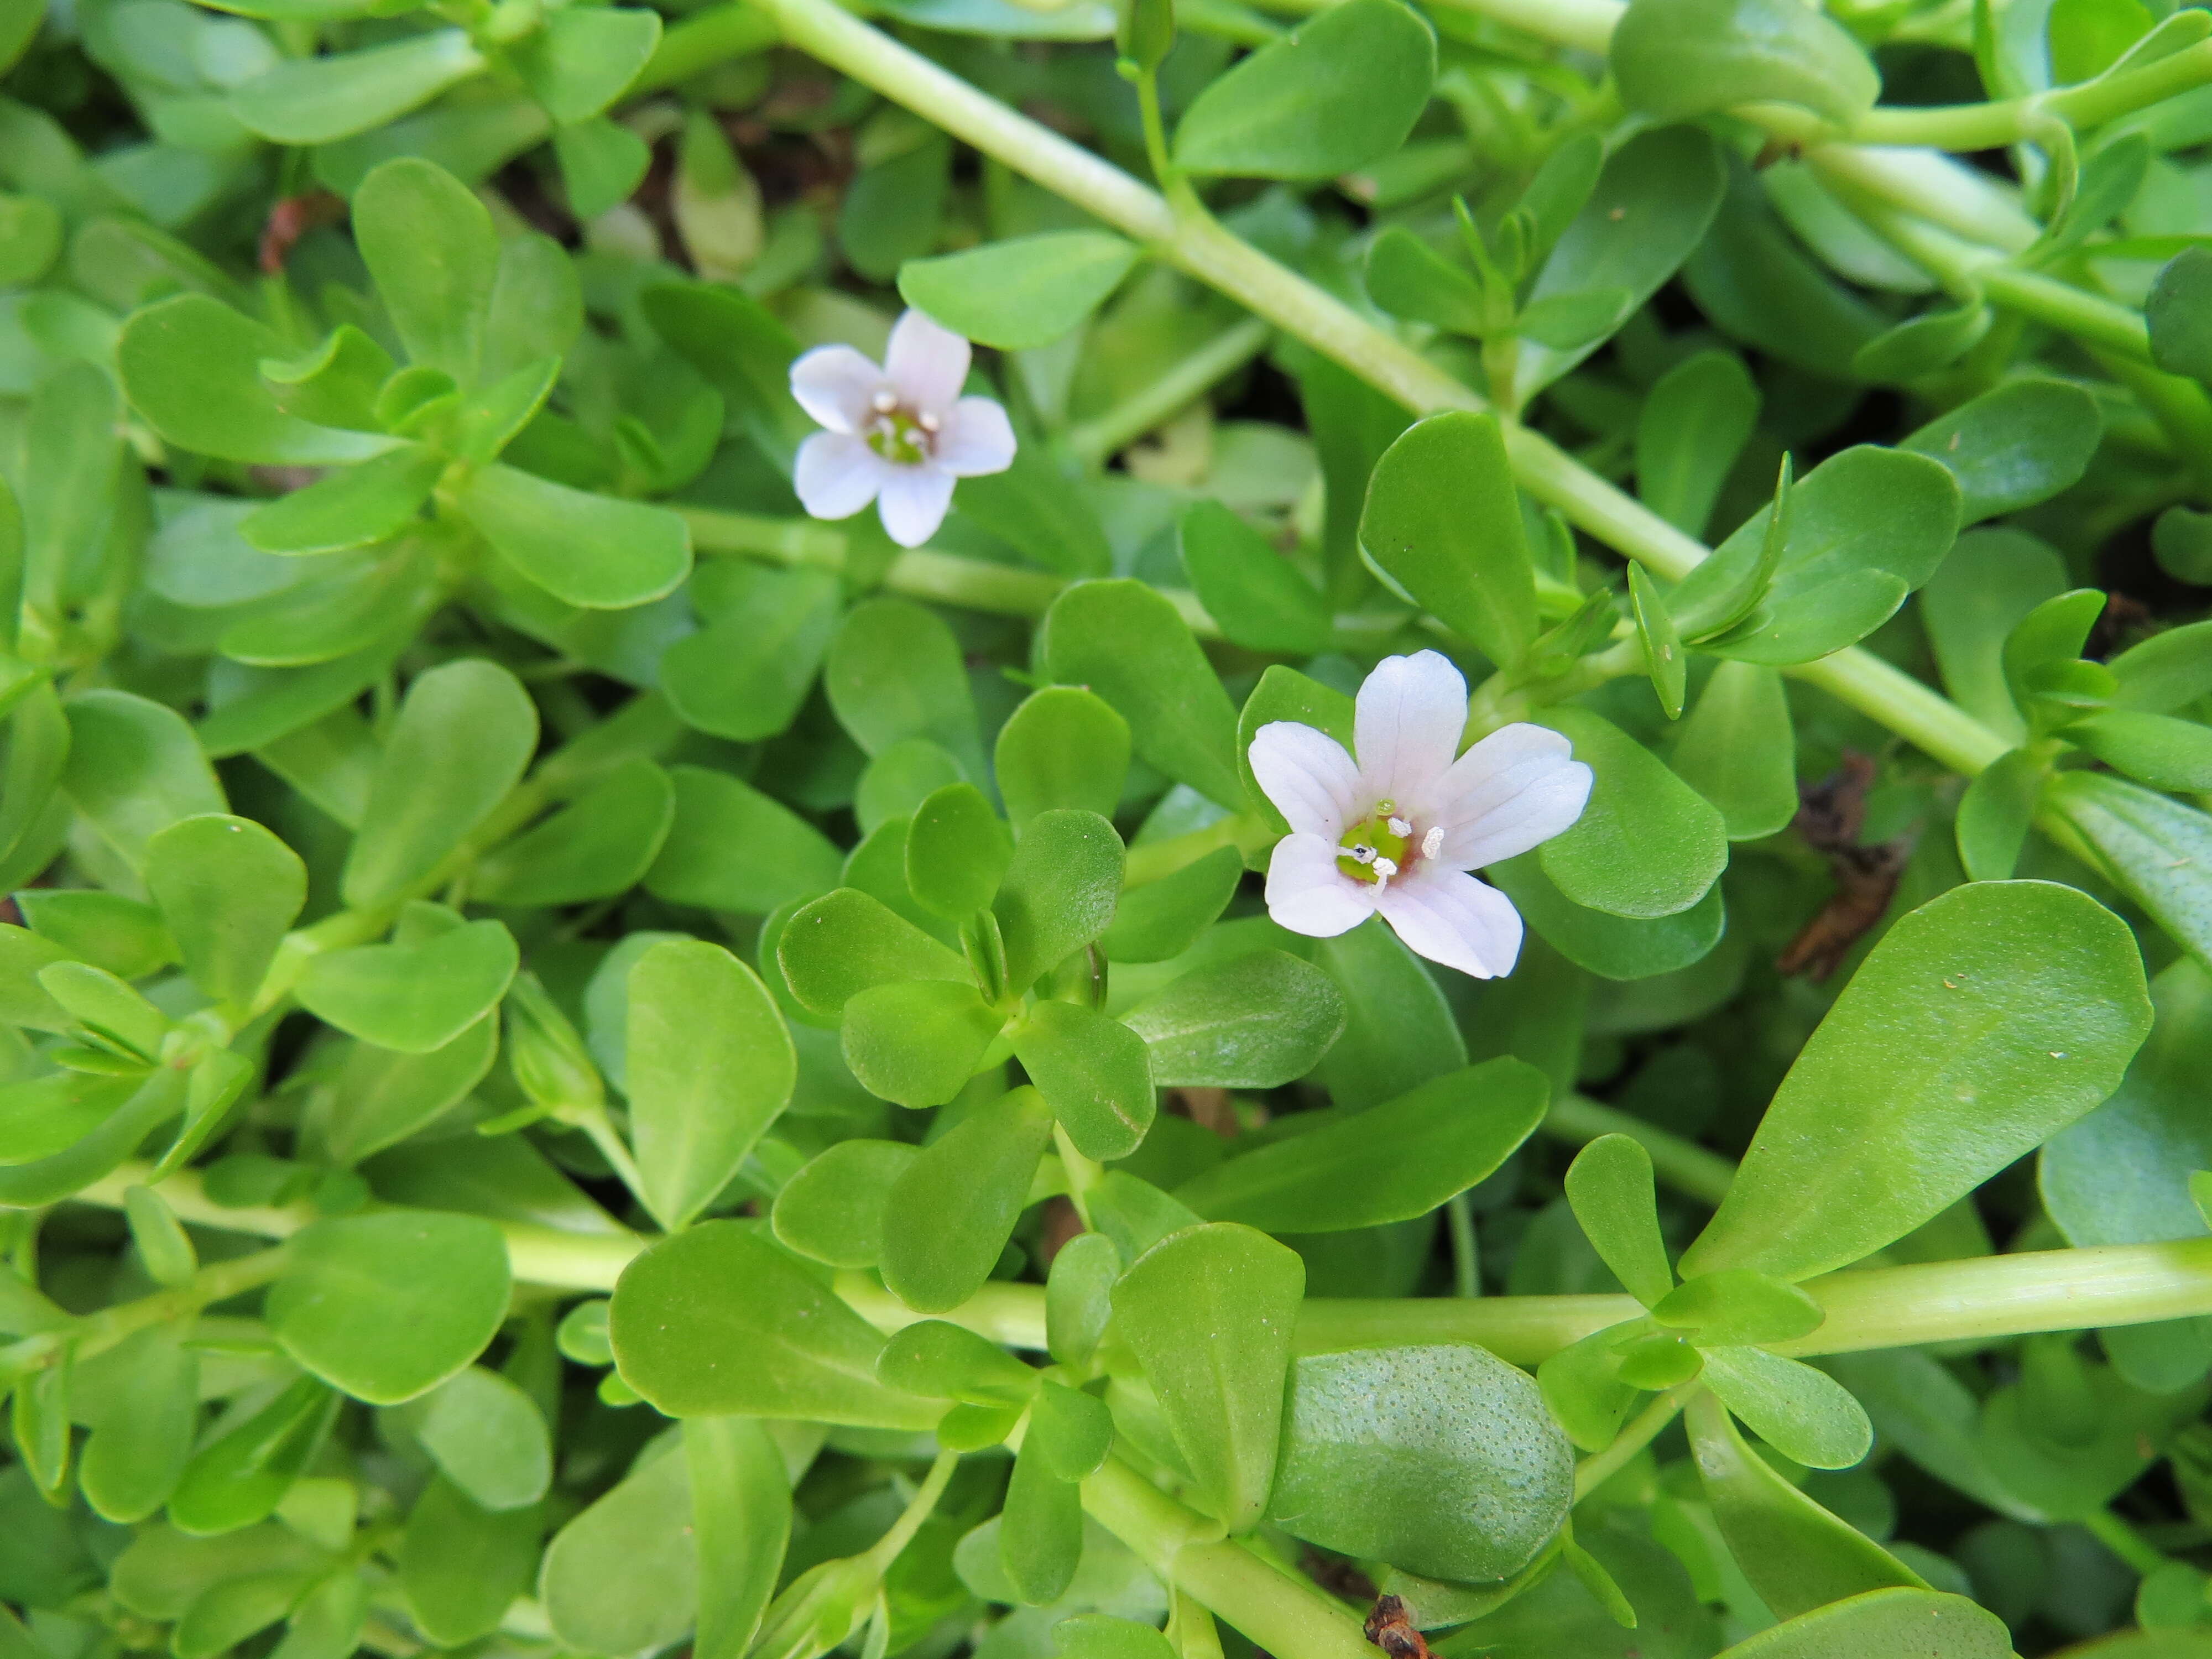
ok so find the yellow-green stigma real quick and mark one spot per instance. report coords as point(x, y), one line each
point(1375, 847)
point(898, 435)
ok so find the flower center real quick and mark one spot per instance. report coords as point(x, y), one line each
point(1380, 846)
point(902, 435)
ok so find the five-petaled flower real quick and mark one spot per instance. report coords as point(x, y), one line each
point(1395, 831)
point(900, 434)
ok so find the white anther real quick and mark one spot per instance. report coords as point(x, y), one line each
point(1385, 868)
point(885, 401)
point(1433, 842)
point(1363, 854)
point(927, 422)
point(1399, 827)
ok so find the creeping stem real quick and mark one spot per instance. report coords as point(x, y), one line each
point(1981, 1298)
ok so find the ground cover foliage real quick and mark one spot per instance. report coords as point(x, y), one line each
point(591, 1064)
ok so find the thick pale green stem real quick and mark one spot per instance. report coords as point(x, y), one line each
point(1278, 1612)
point(1984, 1298)
point(1594, 1471)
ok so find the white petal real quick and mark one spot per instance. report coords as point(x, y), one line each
point(1515, 789)
point(913, 503)
point(1306, 773)
point(1454, 919)
point(1411, 713)
point(927, 363)
point(1308, 895)
point(836, 474)
point(837, 386)
point(977, 438)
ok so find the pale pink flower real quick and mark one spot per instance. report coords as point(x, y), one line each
point(900, 434)
point(1395, 832)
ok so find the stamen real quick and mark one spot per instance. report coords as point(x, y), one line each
point(1363, 854)
point(1399, 827)
point(1433, 842)
point(1385, 868)
point(884, 401)
point(927, 421)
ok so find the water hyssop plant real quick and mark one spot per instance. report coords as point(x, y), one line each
point(1106, 828)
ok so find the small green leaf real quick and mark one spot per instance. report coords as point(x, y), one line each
point(1983, 1023)
point(600, 844)
point(1442, 520)
point(741, 1514)
point(2177, 311)
point(716, 1321)
point(1253, 1022)
point(950, 1362)
point(1647, 845)
point(582, 59)
point(1078, 1297)
point(192, 366)
point(364, 504)
point(936, 1254)
point(1064, 747)
point(489, 1438)
point(732, 848)
point(957, 852)
point(313, 101)
point(1041, 1529)
point(1341, 91)
point(388, 1306)
point(832, 1210)
point(134, 769)
point(1736, 1306)
point(1664, 660)
point(240, 1477)
point(1803, 1413)
point(1126, 642)
point(894, 671)
point(1901, 1621)
point(1609, 1185)
point(1739, 750)
point(1384, 1163)
point(1023, 293)
point(1996, 812)
point(2156, 846)
point(586, 550)
point(412, 997)
point(2018, 444)
point(917, 1043)
point(1797, 1554)
point(847, 942)
point(1058, 893)
point(745, 673)
point(1677, 59)
point(1223, 1397)
point(1255, 593)
point(1407, 277)
point(466, 731)
point(1693, 427)
point(2154, 748)
point(623, 1576)
point(1163, 919)
point(710, 1065)
point(1442, 1460)
point(228, 889)
point(1094, 1074)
